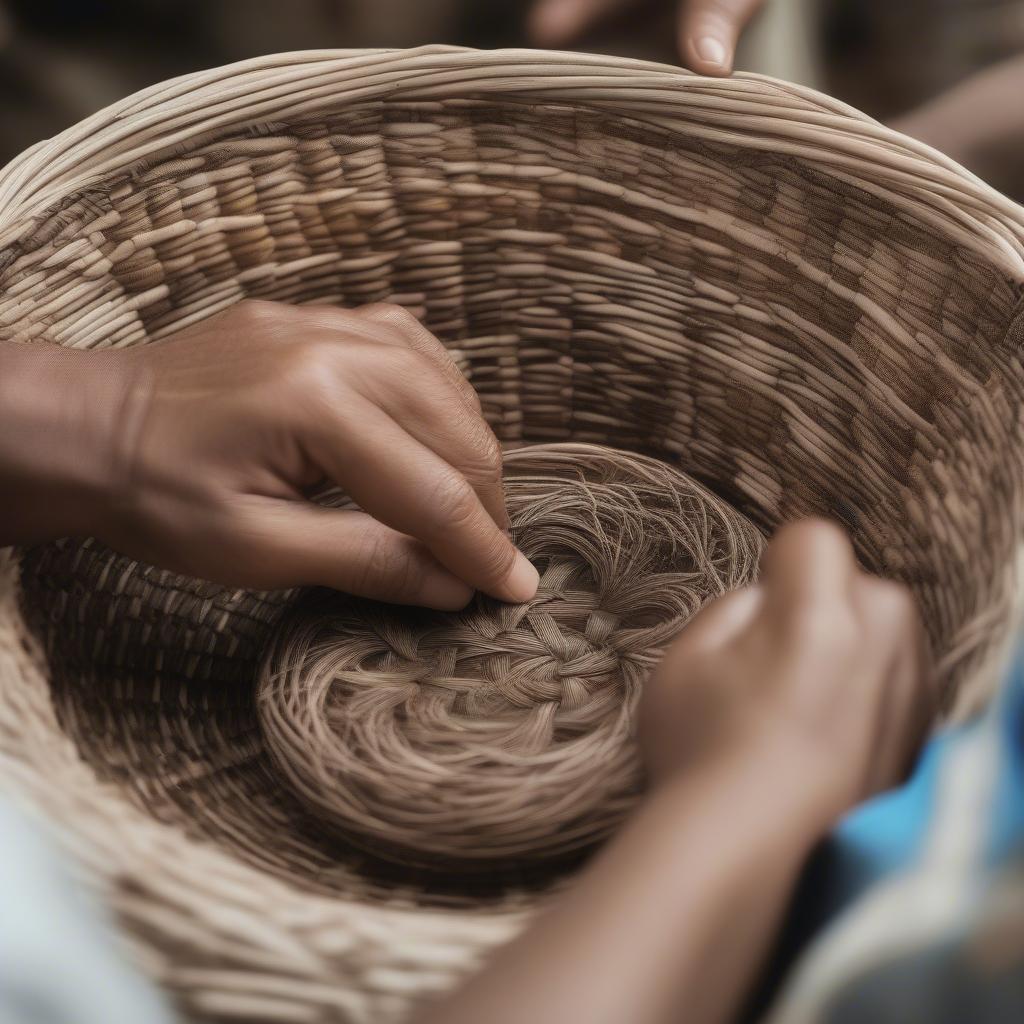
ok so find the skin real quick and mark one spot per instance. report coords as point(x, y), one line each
point(707, 35)
point(980, 123)
point(779, 707)
point(196, 454)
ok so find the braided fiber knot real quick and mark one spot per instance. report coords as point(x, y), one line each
point(503, 733)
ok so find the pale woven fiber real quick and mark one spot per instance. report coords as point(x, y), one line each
point(741, 279)
point(504, 733)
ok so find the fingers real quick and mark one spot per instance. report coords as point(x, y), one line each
point(427, 408)
point(410, 331)
point(429, 397)
point(408, 442)
point(554, 22)
point(430, 412)
point(806, 563)
point(806, 566)
point(709, 30)
point(808, 574)
point(910, 699)
point(716, 624)
point(412, 489)
point(856, 628)
point(350, 551)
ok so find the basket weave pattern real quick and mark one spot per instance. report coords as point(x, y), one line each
point(796, 306)
point(502, 734)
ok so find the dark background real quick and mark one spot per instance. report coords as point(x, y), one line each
point(60, 60)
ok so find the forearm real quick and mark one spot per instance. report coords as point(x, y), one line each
point(673, 919)
point(58, 409)
point(979, 123)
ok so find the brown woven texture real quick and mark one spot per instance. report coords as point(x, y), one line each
point(739, 278)
point(503, 734)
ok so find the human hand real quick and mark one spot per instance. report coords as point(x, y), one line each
point(979, 122)
point(818, 664)
point(222, 431)
point(708, 29)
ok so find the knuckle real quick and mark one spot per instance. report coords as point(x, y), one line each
point(454, 503)
point(381, 567)
point(391, 314)
point(484, 456)
point(308, 367)
point(257, 311)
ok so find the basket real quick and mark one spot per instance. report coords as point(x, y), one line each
point(803, 310)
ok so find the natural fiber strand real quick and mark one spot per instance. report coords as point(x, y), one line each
point(505, 732)
point(737, 278)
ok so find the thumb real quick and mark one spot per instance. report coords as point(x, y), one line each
point(708, 31)
point(809, 564)
point(300, 543)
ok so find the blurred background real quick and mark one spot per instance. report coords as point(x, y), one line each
point(948, 71)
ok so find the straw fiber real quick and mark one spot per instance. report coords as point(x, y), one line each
point(740, 281)
point(503, 733)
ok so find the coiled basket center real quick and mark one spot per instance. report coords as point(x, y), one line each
point(504, 732)
point(738, 277)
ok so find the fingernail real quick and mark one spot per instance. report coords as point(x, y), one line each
point(445, 592)
point(521, 583)
point(710, 50)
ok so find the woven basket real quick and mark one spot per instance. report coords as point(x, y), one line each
point(802, 309)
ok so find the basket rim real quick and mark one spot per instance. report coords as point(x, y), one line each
point(749, 110)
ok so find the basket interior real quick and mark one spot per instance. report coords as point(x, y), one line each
point(793, 340)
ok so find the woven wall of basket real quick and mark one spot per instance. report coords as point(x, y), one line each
point(739, 280)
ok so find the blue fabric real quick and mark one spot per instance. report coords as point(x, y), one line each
point(1006, 818)
point(913, 909)
point(885, 835)
point(911, 913)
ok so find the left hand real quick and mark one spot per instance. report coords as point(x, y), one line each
point(818, 665)
point(708, 29)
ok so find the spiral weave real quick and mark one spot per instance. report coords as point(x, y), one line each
point(505, 731)
point(803, 309)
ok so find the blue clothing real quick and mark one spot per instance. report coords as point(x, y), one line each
point(911, 913)
point(916, 902)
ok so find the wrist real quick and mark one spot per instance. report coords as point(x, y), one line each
point(61, 409)
point(771, 782)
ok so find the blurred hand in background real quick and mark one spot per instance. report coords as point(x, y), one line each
point(60, 61)
point(707, 34)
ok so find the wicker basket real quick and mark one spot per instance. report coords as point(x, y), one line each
point(804, 310)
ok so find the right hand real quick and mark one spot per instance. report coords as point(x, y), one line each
point(817, 662)
point(219, 433)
